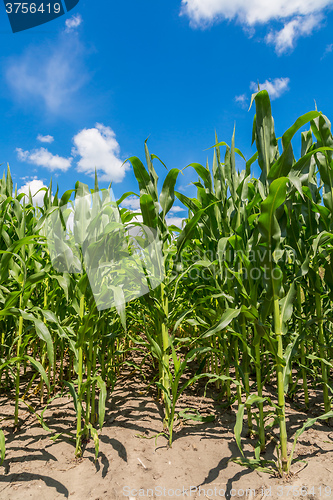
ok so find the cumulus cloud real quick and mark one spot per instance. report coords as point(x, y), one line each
point(275, 87)
point(34, 186)
point(99, 149)
point(175, 221)
point(73, 22)
point(43, 158)
point(241, 99)
point(45, 138)
point(176, 209)
point(285, 39)
point(300, 17)
point(48, 75)
point(132, 203)
point(95, 148)
point(250, 11)
point(22, 155)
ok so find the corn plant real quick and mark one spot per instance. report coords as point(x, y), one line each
point(240, 295)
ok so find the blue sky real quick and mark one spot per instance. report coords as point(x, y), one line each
point(88, 88)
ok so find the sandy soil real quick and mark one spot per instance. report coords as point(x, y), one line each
point(130, 465)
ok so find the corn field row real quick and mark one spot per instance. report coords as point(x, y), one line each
point(246, 296)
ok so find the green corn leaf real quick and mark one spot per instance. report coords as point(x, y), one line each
point(43, 333)
point(9, 182)
point(49, 316)
point(307, 424)
point(152, 172)
point(283, 165)
point(101, 400)
point(120, 303)
point(165, 391)
point(190, 203)
point(148, 210)
point(226, 319)
point(254, 399)
point(2, 447)
point(313, 357)
point(72, 391)
point(175, 359)
point(288, 357)
point(264, 134)
point(286, 306)
point(126, 195)
point(159, 159)
point(267, 222)
point(204, 173)
point(250, 162)
point(186, 233)
point(239, 427)
point(11, 361)
point(142, 176)
point(187, 414)
point(63, 282)
point(255, 464)
point(167, 195)
point(37, 365)
point(194, 353)
point(35, 278)
point(95, 437)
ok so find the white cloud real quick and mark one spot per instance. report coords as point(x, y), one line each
point(176, 221)
point(241, 99)
point(48, 75)
point(250, 12)
point(185, 187)
point(43, 158)
point(328, 50)
point(285, 39)
point(22, 155)
point(132, 202)
point(176, 209)
point(99, 149)
point(275, 88)
point(73, 22)
point(34, 185)
point(300, 17)
point(45, 138)
point(95, 148)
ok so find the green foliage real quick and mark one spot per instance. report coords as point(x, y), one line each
point(246, 294)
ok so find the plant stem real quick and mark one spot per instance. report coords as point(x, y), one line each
point(246, 375)
point(165, 355)
point(89, 366)
point(262, 437)
point(18, 352)
point(78, 449)
point(305, 383)
point(322, 352)
point(280, 384)
point(239, 388)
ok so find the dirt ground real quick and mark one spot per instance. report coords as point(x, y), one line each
point(132, 466)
